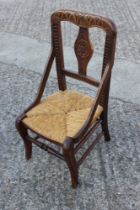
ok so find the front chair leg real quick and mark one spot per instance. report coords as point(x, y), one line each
point(104, 124)
point(23, 133)
point(68, 151)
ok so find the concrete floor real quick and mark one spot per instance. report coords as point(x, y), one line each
point(114, 178)
point(109, 177)
point(25, 39)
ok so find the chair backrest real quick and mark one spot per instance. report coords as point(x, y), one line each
point(83, 48)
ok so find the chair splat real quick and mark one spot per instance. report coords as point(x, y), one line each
point(83, 50)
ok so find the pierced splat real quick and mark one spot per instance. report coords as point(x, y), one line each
point(83, 50)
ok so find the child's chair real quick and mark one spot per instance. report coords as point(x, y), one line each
point(67, 118)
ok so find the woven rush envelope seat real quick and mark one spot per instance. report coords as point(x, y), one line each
point(60, 115)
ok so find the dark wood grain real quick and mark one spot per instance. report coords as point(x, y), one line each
point(83, 50)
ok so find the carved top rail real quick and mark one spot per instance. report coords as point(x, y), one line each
point(84, 20)
point(83, 47)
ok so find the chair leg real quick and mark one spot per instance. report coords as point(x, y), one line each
point(28, 149)
point(68, 151)
point(27, 144)
point(104, 124)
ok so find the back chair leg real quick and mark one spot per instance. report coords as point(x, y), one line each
point(104, 124)
point(28, 149)
point(28, 144)
point(68, 151)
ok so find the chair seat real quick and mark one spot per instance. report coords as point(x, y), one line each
point(60, 115)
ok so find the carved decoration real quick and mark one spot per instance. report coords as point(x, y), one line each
point(84, 20)
point(83, 50)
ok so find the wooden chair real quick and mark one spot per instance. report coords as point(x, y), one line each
point(67, 118)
